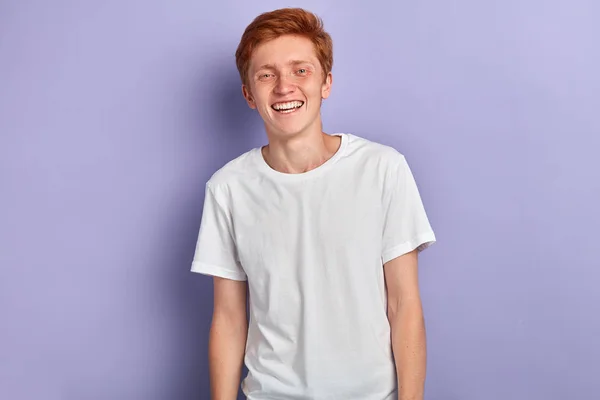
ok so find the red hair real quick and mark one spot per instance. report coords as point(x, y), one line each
point(285, 21)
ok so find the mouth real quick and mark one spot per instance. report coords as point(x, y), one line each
point(287, 107)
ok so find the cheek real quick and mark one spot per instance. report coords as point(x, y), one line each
point(260, 92)
point(261, 101)
point(316, 92)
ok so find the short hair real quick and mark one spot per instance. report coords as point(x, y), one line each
point(284, 21)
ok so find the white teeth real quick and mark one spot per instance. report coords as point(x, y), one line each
point(287, 106)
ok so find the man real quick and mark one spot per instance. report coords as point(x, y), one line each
point(323, 230)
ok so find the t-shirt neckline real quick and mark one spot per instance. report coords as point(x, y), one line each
point(266, 168)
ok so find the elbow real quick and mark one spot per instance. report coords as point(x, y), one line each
point(407, 310)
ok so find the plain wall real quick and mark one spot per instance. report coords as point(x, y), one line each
point(113, 114)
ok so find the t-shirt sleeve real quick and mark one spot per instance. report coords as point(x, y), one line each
point(216, 253)
point(406, 225)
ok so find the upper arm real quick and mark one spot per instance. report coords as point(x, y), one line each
point(216, 252)
point(406, 225)
point(401, 279)
point(229, 299)
point(406, 233)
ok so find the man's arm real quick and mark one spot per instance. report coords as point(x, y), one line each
point(405, 314)
point(227, 340)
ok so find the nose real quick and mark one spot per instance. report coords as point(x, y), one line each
point(284, 85)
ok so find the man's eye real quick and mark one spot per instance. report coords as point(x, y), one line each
point(302, 71)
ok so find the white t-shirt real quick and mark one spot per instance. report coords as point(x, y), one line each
point(312, 248)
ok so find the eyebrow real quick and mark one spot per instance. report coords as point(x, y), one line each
point(292, 62)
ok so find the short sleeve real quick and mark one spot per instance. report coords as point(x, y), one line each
point(406, 225)
point(216, 253)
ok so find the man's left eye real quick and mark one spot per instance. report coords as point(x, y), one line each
point(302, 71)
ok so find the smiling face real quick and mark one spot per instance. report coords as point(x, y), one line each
point(286, 84)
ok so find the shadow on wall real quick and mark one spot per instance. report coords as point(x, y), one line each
point(225, 128)
point(234, 128)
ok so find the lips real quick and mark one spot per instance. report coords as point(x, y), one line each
point(287, 106)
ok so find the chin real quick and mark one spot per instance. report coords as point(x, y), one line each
point(286, 131)
point(290, 129)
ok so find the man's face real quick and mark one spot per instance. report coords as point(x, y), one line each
point(286, 85)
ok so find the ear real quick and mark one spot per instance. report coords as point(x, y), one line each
point(326, 88)
point(248, 96)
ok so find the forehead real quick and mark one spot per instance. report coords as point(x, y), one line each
point(281, 51)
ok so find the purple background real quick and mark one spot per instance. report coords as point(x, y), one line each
point(113, 114)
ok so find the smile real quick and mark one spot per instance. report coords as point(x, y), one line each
point(287, 107)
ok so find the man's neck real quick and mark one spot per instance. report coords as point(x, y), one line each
point(301, 153)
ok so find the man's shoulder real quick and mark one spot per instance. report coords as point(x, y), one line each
point(240, 168)
point(374, 150)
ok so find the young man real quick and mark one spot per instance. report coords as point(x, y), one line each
point(323, 230)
